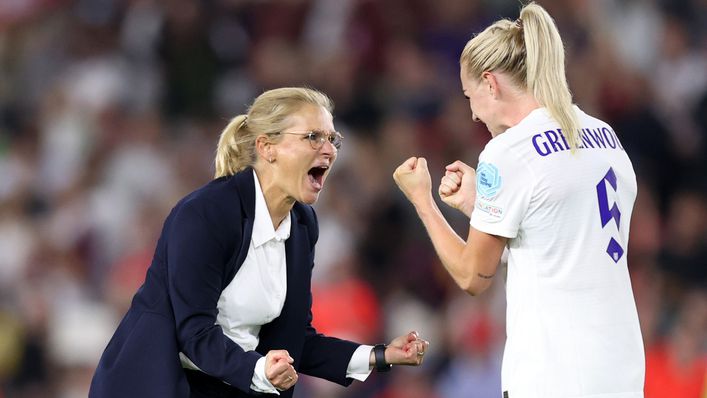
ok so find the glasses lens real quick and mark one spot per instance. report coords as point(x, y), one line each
point(336, 139)
point(318, 138)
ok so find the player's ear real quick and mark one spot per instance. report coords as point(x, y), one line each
point(490, 83)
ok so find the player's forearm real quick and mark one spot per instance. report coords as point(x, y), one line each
point(448, 245)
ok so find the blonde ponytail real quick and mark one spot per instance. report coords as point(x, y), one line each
point(268, 115)
point(228, 161)
point(545, 64)
point(531, 52)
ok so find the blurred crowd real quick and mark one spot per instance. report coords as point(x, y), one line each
point(110, 111)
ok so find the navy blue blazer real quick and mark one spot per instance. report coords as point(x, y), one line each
point(203, 243)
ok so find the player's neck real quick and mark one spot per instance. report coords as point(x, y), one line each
point(518, 108)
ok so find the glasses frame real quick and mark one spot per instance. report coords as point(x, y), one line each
point(330, 137)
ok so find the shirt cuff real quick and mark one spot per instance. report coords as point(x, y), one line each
point(360, 364)
point(260, 383)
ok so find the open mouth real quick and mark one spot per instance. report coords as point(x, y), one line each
point(316, 176)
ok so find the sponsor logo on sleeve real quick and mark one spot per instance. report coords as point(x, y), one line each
point(493, 211)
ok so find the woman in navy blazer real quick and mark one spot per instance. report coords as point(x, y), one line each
point(287, 144)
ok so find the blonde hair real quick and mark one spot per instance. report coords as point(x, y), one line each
point(268, 115)
point(531, 52)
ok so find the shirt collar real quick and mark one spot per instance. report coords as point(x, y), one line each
point(263, 230)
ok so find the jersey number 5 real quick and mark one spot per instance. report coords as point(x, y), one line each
point(614, 250)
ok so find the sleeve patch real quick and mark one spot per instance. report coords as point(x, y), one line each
point(492, 211)
point(488, 181)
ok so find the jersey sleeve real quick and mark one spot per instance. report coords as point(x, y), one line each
point(504, 186)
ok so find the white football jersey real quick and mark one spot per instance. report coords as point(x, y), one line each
point(572, 325)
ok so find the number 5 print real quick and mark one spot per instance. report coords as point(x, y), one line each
point(614, 250)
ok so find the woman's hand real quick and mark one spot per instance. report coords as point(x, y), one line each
point(279, 370)
point(413, 178)
point(458, 187)
point(408, 349)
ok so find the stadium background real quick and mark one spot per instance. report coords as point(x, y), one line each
point(110, 111)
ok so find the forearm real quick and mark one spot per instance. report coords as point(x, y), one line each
point(448, 245)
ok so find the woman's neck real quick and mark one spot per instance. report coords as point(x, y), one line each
point(517, 109)
point(278, 202)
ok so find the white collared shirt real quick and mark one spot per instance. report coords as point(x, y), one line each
point(256, 295)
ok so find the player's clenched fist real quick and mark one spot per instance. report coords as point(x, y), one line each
point(457, 188)
point(413, 178)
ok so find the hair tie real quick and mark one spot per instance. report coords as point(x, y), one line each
point(519, 23)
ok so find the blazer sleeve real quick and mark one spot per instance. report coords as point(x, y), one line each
point(196, 261)
point(326, 357)
point(323, 356)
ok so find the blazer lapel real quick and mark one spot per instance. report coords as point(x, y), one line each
point(243, 185)
point(299, 260)
point(287, 330)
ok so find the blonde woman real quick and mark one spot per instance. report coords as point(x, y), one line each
point(225, 307)
point(555, 187)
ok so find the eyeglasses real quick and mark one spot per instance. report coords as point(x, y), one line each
point(317, 138)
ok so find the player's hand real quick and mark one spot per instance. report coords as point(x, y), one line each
point(279, 370)
point(413, 179)
point(458, 187)
point(408, 349)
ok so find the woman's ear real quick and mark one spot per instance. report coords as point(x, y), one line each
point(265, 149)
point(491, 84)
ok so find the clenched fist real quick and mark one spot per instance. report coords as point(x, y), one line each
point(408, 349)
point(458, 187)
point(279, 370)
point(413, 178)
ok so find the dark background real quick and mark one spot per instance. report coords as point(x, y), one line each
point(110, 112)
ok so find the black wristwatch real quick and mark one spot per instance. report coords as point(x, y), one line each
point(379, 355)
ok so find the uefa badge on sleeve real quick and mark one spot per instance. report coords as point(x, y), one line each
point(488, 184)
point(488, 181)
